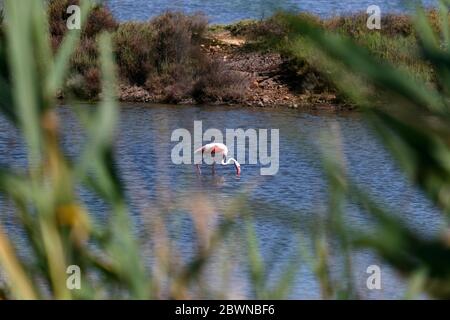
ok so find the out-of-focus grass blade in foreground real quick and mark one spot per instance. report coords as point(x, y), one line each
point(56, 225)
point(413, 120)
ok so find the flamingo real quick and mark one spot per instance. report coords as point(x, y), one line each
point(218, 149)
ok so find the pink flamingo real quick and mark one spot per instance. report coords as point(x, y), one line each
point(218, 149)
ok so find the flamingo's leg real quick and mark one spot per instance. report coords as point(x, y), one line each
point(199, 171)
point(214, 168)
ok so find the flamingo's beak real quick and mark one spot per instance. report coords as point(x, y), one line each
point(238, 169)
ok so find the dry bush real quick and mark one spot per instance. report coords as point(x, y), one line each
point(172, 85)
point(85, 55)
point(273, 27)
point(57, 17)
point(92, 82)
point(178, 60)
point(350, 25)
point(134, 51)
point(100, 19)
point(394, 24)
point(84, 81)
point(85, 85)
point(391, 24)
point(176, 36)
point(164, 55)
point(218, 84)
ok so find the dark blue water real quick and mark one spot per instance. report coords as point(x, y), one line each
point(284, 207)
point(232, 10)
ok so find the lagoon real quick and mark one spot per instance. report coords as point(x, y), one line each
point(233, 10)
point(281, 205)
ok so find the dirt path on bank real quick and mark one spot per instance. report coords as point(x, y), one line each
point(272, 82)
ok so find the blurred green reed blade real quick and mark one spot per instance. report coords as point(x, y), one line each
point(424, 157)
point(39, 61)
point(420, 134)
point(417, 284)
point(404, 249)
point(6, 104)
point(22, 193)
point(100, 131)
point(19, 190)
point(97, 158)
point(15, 186)
point(61, 63)
point(123, 248)
point(19, 281)
point(104, 179)
point(335, 169)
point(322, 266)
point(443, 9)
point(6, 100)
point(193, 270)
point(40, 231)
point(284, 285)
point(56, 258)
point(359, 60)
point(397, 244)
point(40, 37)
point(430, 43)
point(29, 54)
point(256, 265)
point(19, 31)
point(424, 30)
point(432, 49)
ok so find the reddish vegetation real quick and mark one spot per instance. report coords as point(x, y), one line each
point(84, 80)
point(161, 60)
point(99, 20)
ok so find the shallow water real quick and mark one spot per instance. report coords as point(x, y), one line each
point(232, 10)
point(296, 194)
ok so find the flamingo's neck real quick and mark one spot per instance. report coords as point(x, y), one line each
point(236, 164)
point(230, 161)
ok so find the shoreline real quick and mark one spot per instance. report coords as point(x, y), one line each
point(269, 80)
point(181, 60)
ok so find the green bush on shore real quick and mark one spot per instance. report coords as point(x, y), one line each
point(395, 42)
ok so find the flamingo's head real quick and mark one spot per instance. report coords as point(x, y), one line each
point(238, 168)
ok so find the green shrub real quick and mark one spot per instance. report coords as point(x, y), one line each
point(134, 51)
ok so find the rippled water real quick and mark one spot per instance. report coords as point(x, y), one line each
point(232, 10)
point(297, 193)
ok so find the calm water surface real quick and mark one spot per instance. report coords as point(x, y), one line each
point(296, 194)
point(221, 11)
